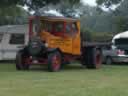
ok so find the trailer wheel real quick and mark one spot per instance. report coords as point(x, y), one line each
point(21, 62)
point(92, 58)
point(54, 61)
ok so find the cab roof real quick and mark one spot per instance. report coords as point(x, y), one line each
point(58, 18)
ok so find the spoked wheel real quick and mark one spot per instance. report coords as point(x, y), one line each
point(54, 61)
point(21, 62)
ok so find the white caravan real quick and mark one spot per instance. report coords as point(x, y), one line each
point(12, 37)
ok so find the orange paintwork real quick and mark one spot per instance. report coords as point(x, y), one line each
point(67, 44)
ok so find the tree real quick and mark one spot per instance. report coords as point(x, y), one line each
point(97, 21)
point(33, 4)
point(121, 23)
point(121, 16)
point(69, 8)
point(14, 15)
point(9, 16)
point(7, 3)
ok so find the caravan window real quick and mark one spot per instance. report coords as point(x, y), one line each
point(17, 39)
point(1, 36)
point(121, 41)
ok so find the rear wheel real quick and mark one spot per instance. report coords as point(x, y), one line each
point(91, 57)
point(21, 61)
point(97, 59)
point(54, 61)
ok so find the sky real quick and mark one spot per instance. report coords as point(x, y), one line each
point(90, 2)
point(93, 3)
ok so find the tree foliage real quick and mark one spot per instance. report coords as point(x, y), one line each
point(34, 4)
point(121, 16)
point(69, 8)
point(9, 12)
point(12, 15)
point(6, 3)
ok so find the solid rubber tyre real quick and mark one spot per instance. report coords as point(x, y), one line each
point(92, 58)
point(20, 63)
point(54, 61)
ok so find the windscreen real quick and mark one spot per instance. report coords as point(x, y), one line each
point(55, 28)
point(36, 27)
point(46, 26)
point(122, 43)
point(58, 27)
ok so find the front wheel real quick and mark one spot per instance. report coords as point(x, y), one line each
point(54, 61)
point(21, 61)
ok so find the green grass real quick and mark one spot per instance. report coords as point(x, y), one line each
point(111, 80)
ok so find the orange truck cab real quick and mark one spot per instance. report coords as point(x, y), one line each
point(60, 32)
point(53, 41)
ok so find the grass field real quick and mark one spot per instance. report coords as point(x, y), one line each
point(110, 80)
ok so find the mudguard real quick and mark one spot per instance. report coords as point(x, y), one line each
point(51, 50)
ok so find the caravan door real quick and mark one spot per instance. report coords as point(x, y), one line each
point(12, 43)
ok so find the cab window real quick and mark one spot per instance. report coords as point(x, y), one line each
point(59, 27)
point(47, 26)
point(36, 26)
point(74, 27)
point(71, 28)
point(68, 28)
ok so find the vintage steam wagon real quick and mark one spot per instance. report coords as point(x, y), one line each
point(54, 42)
